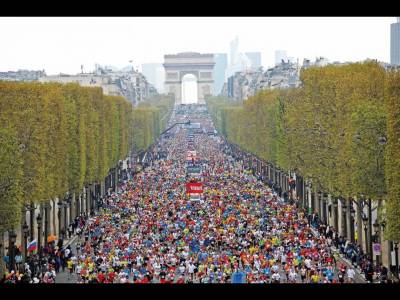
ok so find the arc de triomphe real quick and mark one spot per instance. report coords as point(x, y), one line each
point(178, 65)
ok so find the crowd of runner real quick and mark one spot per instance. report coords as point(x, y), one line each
point(151, 231)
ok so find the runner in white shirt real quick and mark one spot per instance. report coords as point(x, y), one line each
point(191, 269)
point(351, 274)
point(292, 276)
point(157, 269)
point(78, 270)
point(307, 262)
point(182, 269)
point(276, 278)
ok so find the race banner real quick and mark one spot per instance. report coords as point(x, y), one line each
point(194, 188)
point(193, 169)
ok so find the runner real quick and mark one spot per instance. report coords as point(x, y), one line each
point(237, 230)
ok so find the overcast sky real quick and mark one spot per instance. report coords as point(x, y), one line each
point(61, 44)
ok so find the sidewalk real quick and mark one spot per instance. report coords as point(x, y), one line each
point(62, 277)
point(360, 277)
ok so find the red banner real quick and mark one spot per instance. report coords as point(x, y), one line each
point(194, 188)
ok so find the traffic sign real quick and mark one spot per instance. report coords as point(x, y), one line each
point(376, 248)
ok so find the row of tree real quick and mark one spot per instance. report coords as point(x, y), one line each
point(57, 138)
point(334, 131)
point(150, 119)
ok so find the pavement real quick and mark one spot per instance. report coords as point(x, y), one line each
point(360, 277)
point(62, 277)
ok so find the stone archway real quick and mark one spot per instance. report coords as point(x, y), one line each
point(178, 65)
point(190, 93)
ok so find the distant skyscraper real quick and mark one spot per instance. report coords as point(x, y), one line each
point(233, 55)
point(221, 63)
point(279, 55)
point(255, 59)
point(395, 43)
point(154, 72)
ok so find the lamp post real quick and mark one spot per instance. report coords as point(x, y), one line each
point(31, 208)
point(352, 214)
point(343, 216)
point(376, 226)
point(59, 203)
point(334, 213)
point(25, 230)
point(39, 223)
point(365, 221)
point(12, 237)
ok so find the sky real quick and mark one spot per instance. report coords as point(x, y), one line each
point(63, 44)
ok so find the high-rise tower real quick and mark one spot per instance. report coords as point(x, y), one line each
point(395, 43)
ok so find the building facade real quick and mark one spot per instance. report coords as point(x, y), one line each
point(131, 85)
point(22, 75)
point(245, 84)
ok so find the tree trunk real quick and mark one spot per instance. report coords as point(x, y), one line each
point(54, 213)
point(348, 219)
point(370, 226)
point(78, 205)
point(321, 206)
point(47, 224)
point(359, 224)
point(333, 212)
point(2, 253)
point(116, 179)
point(311, 201)
point(23, 220)
point(87, 200)
point(102, 188)
point(343, 221)
point(32, 220)
point(72, 209)
point(92, 199)
point(317, 207)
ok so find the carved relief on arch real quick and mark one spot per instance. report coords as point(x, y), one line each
point(183, 73)
point(172, 75)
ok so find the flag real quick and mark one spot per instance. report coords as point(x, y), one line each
point(32, 246)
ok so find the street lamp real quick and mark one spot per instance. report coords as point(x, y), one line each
point(343, 216)
point(12, 237)
point(25, 230)
point(352, 217)
point(65, 205)
point(59, 203)
point(365, 221)
point(383, 225)
point(39, 223)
